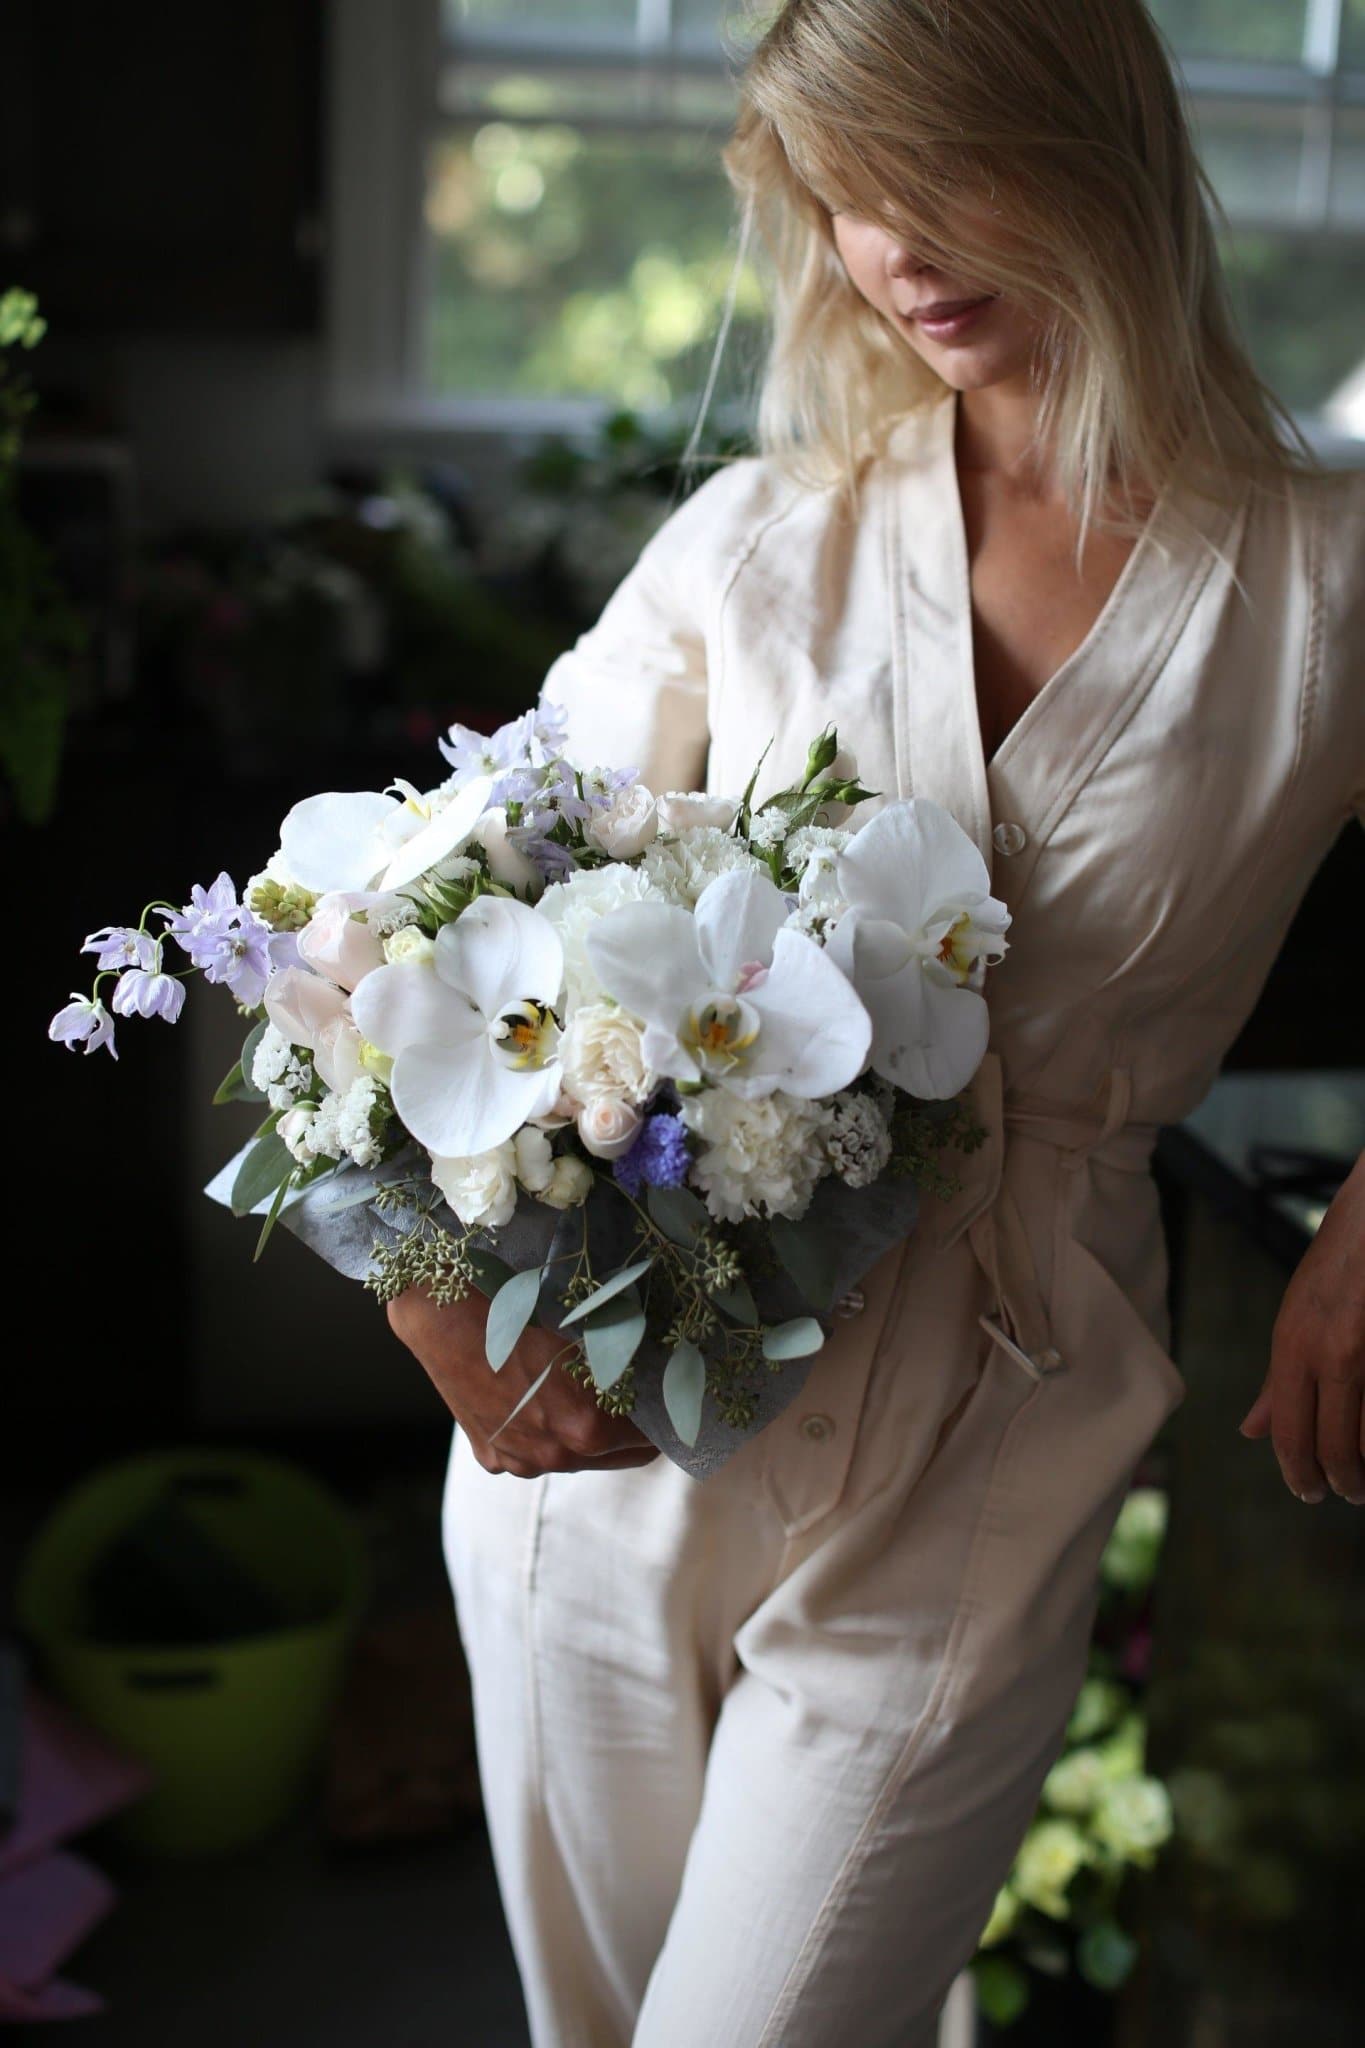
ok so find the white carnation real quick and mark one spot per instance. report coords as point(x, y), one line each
point(601, 1055)
point(680, 868)
point(757, 1157)
point(573, 908)
point(808, 840)
point(857, 1140)
point(393, 913)
point(480, 1187)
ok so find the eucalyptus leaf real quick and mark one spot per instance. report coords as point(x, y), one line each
point(1001, 1986)
point(1105, 1955)
point(529, 1395)
point(793, 1340)
point(511, 1309)
point(678, 1212)
point(490, 1271)
point(351, 1201)
point(684, 1384)
point(810, 1254)
point(737, 1302)
point(267, 1164)
point(229, 1089)
point(609, 1289)
point(613, 1336)
point(275, 1207)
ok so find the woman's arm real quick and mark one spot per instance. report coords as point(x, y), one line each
point(1311, 1402)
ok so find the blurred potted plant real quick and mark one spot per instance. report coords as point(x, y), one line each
point(41, 633)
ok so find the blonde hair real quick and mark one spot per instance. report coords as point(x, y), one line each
point(1065, 116)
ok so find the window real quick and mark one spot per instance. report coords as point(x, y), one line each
point(531, 222)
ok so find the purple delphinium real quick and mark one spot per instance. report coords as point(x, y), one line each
point(138, 994)
point(118, 945)
point(84, 1021)
point(208, 913)
point(224, 939)
point(659, 1158)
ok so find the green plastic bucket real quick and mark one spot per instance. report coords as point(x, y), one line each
point(233, 1730)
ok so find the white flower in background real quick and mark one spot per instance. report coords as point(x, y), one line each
point(570, 1183)
point(391, 913)
point(683, 810)
point(362, 839)
point(338, 943)
point(680, 869)
point(921, 925)
point(726, 995)
point(357, 1112)
point(763, 1155)
point(857, 1140)
point(458, 867)
point(295, 1130)
point(628, 824)
point(601, 1055)
point(809, 841)
point(473, 1036)
point(608, 1127)
point(411, 944)
point(315, 1014)
point(574, 907)
point(481, 1189)
point(506, 863)
point(1134, 1818)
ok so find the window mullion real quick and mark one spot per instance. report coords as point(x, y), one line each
point(1322, 37)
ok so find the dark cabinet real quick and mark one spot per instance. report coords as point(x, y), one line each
point(161, 166)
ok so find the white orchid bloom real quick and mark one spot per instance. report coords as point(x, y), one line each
point(920, 927)
point(361, 839)
point(726, 995)
point(472, 1033)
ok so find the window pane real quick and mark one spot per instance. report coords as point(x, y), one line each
point(1253, 155)
point(1347, 207)
point(563, 20)
point(1353, 34)
point(1268, 29)
point(545, 283)
point(582, 93)
point(1301, 302)
point(702, 24)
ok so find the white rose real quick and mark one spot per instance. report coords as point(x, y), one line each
point(481, 1187)
point(506, 863)
point(628, 824)
point(409, 944)
point(535, 1160)
point(601, 1055)
point(608, 1127)
point(570, 1183)
point(681, 810)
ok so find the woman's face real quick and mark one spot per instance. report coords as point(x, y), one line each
point(982, 339)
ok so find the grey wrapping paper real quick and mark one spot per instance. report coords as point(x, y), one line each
point(854, 1227)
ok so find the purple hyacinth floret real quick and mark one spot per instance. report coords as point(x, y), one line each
point(659, 1158)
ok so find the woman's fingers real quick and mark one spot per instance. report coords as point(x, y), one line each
point(1293, 1429)
point(1339, 1433)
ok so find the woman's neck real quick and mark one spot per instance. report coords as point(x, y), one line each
point(995, 427)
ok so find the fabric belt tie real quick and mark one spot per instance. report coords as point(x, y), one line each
point(991, 1218)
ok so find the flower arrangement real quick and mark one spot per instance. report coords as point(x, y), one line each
point(1101, 1813)
point(666, 1072)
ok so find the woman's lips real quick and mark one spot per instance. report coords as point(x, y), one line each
point(947, 326)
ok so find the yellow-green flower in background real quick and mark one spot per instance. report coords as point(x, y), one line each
point(1133, 1818)
point(1124, 1751)
point(1004, 1913)
point(1049, 1856)
point(1135, 1541)
point(1099, 1703)
point(1076, 1781)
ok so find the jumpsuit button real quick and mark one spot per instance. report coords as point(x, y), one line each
point(1009, 838)
point(851, 1304)
point(1049, 1360)
point(816, 1427)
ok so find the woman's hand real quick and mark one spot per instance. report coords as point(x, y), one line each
point(561, 1430)
point(1311, 1402)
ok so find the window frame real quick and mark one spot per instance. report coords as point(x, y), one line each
point(383, 58)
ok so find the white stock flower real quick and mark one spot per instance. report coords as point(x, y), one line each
point(473, 1034)
point(627, 825)
point(757, 1157)
point(601, 1054)
point(277, 1070)
point(481, 1188)
point(921, 925)
point(727, 995)
point(680, 869)
point(574, 907)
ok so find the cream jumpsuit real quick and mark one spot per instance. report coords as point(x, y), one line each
point(757, 1752)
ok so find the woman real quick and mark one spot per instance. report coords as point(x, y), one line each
point(757, 1753)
